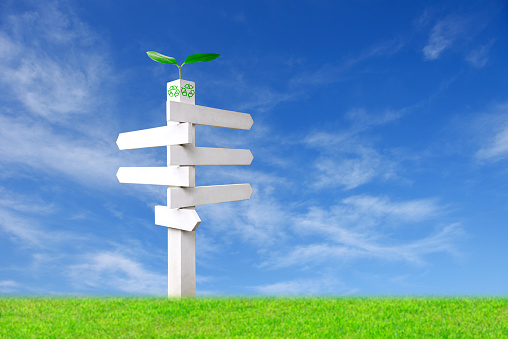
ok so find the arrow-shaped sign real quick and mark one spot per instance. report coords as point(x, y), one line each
point(194, 196)
point(190, 155)
point(185, 219)
point(171, 176)
point(201, 115)
point(176, 134)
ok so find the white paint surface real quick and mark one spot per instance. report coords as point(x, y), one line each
point(204, 195)
point(169, 176)
point(179, 83)
point(189, 155)
point(174, 134)
point(185, 219)
point(201, 115)
point(181, 263)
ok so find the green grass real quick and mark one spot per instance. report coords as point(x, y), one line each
point(254, 317)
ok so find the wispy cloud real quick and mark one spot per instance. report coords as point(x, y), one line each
point(27, 231)
point(479, 57)
point(443, 35)
point(336, 71)
point(494, 134)
point(29, 146)
point(344, 222)
point(39, 146)
point(363, 227)
point(27, 204)
point(260, 97)
point(498, 146)
point(51, 62)
point(8, 286)
point(380, 207)
point(359, 246)
point(346, 159)
point(317, 286)
point(352, 168)
point(259, 221)
point(53, 73)
point(20, 215)
point(117, 272)
point(455, 32)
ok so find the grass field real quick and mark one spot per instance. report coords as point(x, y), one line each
point(254, 317)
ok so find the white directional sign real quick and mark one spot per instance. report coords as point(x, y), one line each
point(170, 176)
point(201, 115)
point(204, 195)
point(189, 155)
point(185, 219)
point(180, 216)
point(153, 137)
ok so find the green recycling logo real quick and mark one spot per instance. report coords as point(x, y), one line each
point(173, 91)
point(188, 91)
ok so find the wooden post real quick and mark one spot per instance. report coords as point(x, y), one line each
point(182, 244)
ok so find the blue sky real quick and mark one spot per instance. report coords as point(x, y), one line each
point(380, 145)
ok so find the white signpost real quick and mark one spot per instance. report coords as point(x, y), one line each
point(179, 216)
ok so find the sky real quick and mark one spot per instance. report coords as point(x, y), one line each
point(380, 145)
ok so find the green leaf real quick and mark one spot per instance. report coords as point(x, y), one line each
point(161, 58)
point(203, 57)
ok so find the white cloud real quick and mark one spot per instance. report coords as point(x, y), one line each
point(346, 158)
point(118, 272)
point(456, 32)
point(384, 48)
point(206, 247)
point(31, 147)
point(311, 255)
point(51, 63)
point(322, 285)
point(357, 246)
point(27, 204)
point(345, 161)
point(498, 146)
point(344, 220)
point(259, 219)
point(40, 147)
point(53, 73)
point(378, 207)
point(8, 286)
point(479, 57)
point(494, 131)
point(30, 231)
point(363, 227)
point(9, 283)
point(351, 172)
point(338, 71)
point(24, 230)
point(443, 35)
point(363, 120)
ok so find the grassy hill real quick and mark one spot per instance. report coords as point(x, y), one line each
point(22, 317)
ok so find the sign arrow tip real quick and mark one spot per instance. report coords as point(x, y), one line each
point(118, 174)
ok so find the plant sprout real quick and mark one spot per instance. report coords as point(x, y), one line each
point(203, 57)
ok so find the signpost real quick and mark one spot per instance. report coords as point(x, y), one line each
point(180, 216)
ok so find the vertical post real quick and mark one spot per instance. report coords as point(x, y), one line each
point(182, 244)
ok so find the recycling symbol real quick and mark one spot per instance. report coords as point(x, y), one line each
point(173, 91)
point(188, 91)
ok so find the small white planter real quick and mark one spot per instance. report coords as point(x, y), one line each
point(181, 91)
